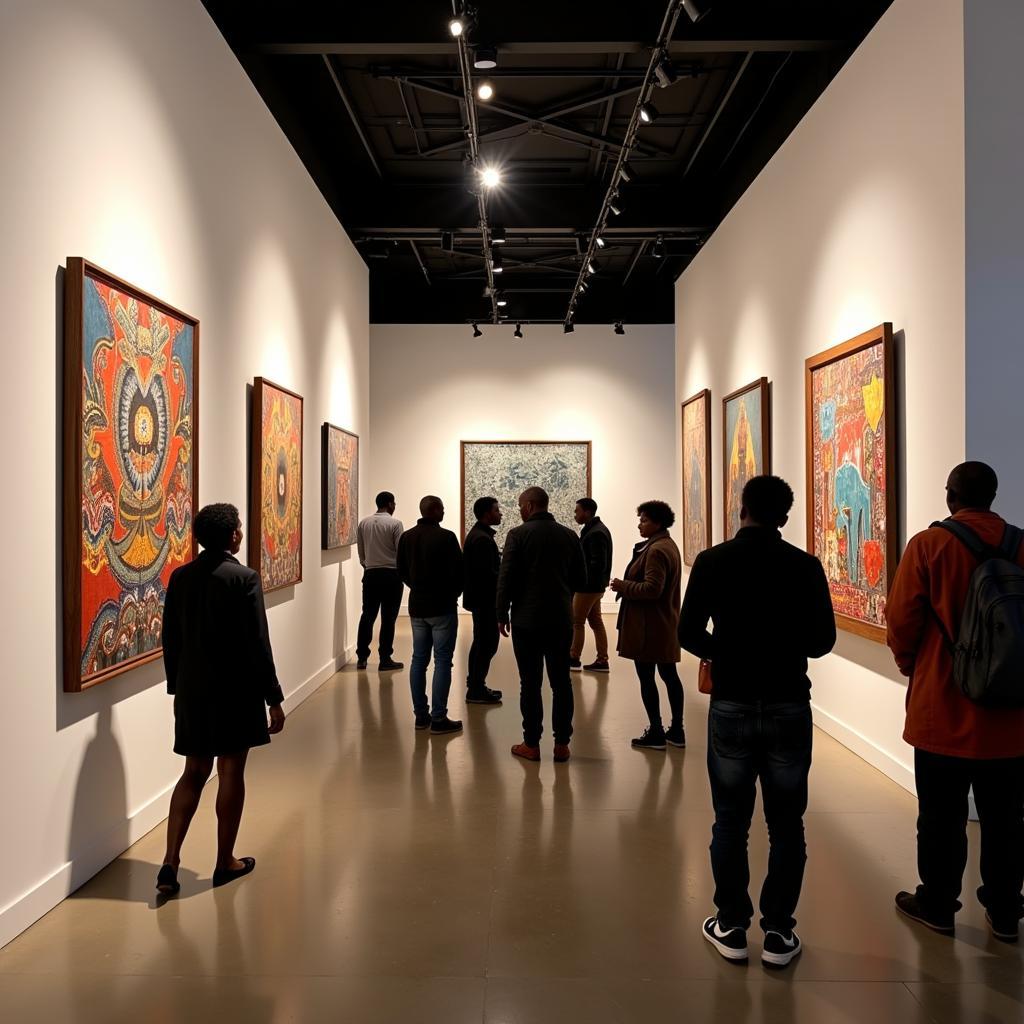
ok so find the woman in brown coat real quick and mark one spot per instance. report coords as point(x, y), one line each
point(649, 619)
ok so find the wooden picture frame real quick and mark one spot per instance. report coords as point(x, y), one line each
point(693, 544)
point(275, 499)
point(732, 490)
point(330, 537)
point(836, 438)
point(522, 481)
point(130, 468)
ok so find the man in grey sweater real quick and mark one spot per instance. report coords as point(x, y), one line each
point(377, 543)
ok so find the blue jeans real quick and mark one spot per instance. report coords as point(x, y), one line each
point(747, 742)
point(436, 634)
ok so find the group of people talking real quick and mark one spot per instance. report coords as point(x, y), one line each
point(755, 610)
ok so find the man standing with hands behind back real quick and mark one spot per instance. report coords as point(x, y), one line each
point(481, 561)
point(596, 542)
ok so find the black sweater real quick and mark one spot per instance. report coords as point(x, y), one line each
point(597, 552)
point(430, 565)
point(772, 610)
point(481, 560)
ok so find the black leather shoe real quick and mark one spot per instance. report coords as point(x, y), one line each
point(167, 881)
point(361, 664)
point(910, 906)
point(223, 875)
point(423, 721)
point(483, 696)
point(440, 726)
point(390, 666)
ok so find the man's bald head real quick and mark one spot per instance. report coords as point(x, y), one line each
point(432, 508)
point(532, 501)
point(971, 485)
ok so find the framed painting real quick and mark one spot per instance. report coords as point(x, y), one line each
point(506, 468)
point(747, 445)
point(696, 481)
point(275, 496)
point(339, 487)
point(851, 506)
point(130, 472)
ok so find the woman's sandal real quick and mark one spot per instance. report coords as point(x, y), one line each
point(167, 881)
point(223, 875)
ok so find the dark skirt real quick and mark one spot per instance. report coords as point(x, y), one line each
point(212, 725)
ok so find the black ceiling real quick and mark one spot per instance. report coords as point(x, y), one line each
point(369, 95)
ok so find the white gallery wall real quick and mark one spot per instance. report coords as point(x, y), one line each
point(858, 219)
point(132, 137)
point(433, 386)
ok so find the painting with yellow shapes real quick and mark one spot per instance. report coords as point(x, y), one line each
point(747, 445)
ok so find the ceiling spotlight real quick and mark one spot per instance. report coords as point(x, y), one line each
point(485, 90)
point(518, 332)
point(615, 206)
point(496, 266)
point(648, 112)
point(601, 243)
point(695, 10)
point(627, 173)
point(497, 235)
point(619, 329)
point(567, 327)
point(477, 333)
point(485, 57)
point(457, 26)
point(591, 267)
point(659, 248)
point(666, 73)
point(490, 176)
point(502, 302)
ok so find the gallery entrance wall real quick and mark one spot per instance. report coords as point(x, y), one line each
point(856, 223)
point(435, 386)
point(143, 148)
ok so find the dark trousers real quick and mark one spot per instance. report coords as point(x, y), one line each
point(943, 784)
point(649, 692)
point(382, 593)
point(747, 742)
point(533, 649)
point(484, 647)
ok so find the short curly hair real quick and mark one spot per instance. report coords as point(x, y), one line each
point(214, 526)
point(660, 511)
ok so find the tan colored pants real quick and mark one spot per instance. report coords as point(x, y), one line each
point(587, 608)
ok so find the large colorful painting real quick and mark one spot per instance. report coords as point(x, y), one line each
point(747, 447)
point(696, 481)
point(131, 385)
point(339, 487)
point(275, 511)
point(506, 468)
point(851, 511)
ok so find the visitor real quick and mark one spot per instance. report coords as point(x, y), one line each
point(481, 560)
point(220, 670)
point(648, 622)
point(541, 567)
point(586, 604)
point(772, 610)
point(377, 544)
point(430, 563)
point(958, 744)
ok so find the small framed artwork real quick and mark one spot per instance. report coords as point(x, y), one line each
point(275, 498)
point(696, 479)
point(130, 474)
point(339, 487)
point(747, 445)
point(851, 500)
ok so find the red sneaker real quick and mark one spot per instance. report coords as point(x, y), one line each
point(526, 753)
point(561, 753)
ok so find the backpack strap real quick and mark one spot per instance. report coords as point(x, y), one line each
point(970, 540)
point(1010, 544)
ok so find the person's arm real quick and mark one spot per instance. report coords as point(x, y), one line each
point(907, 609)
point(579, 574)
point(696, 612)
point(170, 635)
point(455, 566)
point(259, 640)
point(595, 550)
point(652, 586)
point(402, 560)
point(820, 618)
point(506, 580)
point(361, 545)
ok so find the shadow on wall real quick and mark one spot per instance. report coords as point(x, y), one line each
point(339, 557)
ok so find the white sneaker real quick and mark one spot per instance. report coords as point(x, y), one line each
point(779, 950)
point(730, 943)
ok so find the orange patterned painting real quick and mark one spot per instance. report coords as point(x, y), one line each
point(339, 487)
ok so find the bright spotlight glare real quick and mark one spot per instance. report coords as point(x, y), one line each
point(456, 26)
point(491, 177)
point(485, 91)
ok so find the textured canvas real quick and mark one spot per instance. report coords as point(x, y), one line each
point(130, 472)
point(505, 469)
point(746, 450)
point(696, 483)
point(339, 487)
point(275, 533)
point(849, 468)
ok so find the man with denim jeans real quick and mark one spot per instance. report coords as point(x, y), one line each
point(772, 610)
point(430, 564)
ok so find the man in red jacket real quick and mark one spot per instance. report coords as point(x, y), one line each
point(957, 744)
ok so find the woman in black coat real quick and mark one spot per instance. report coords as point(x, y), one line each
point(220, 670)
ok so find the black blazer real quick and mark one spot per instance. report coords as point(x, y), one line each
point(481, 561)
point(597, 552)
point(220, 666)
point(430, 564)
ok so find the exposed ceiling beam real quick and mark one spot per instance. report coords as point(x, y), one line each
point(352, 114)
point(722, 103)
point(678, 47)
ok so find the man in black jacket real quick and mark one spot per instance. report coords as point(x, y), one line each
point(481, 561)
point(541, 567)
point(596, 542)
point(772, 610)
point(430, 564)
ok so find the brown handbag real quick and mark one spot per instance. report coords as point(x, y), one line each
point(705, 682)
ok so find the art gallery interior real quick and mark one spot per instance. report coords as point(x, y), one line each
point(294, 178)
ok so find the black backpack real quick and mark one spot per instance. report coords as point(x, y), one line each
point(988, 652)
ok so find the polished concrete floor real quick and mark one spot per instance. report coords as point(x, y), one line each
point(408, 878)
